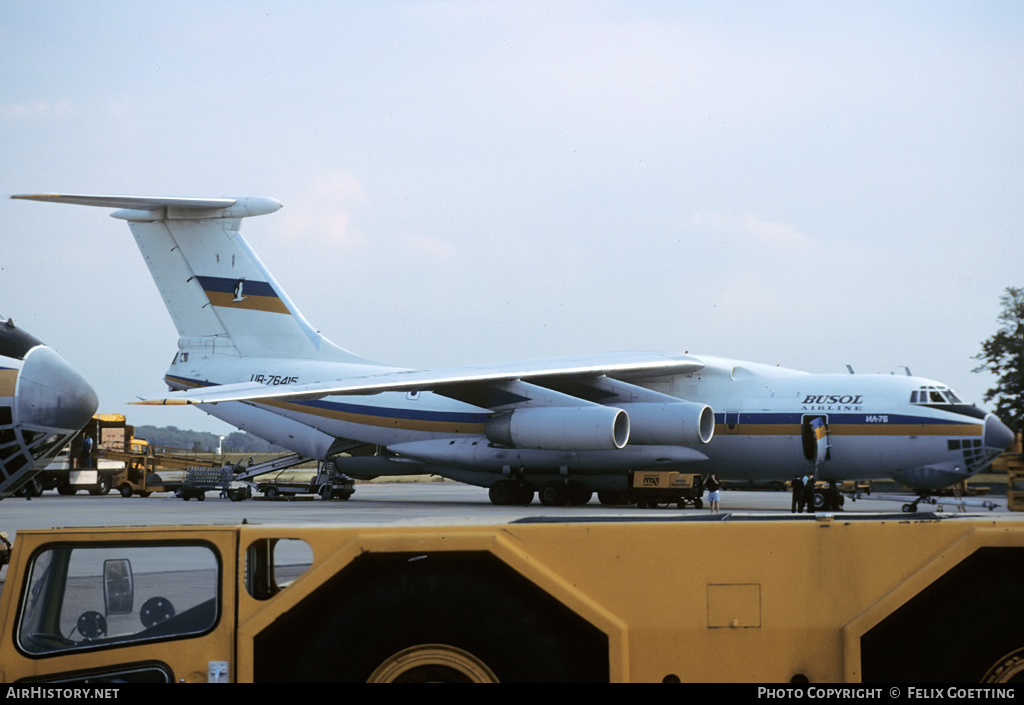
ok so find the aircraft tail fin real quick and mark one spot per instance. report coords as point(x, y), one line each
point(220, 295)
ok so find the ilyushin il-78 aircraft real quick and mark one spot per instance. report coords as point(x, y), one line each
point(43, 404)
point(562, 428)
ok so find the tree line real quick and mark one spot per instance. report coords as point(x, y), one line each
point(1002, 354)
point(235, 442)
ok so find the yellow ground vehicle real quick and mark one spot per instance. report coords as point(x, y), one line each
point(1012, 463)
point(82, 465)
point(804, 599)
point(1015, 489)
point(653, 488)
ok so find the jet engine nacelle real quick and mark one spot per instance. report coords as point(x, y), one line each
point(670, 423)
point(560, 428)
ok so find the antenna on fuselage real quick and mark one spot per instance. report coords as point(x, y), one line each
point(850, 368)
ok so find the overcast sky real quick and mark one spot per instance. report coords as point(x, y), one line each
point(811, 184)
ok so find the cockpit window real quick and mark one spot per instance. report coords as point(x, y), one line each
point(944, 398)
point(935, 395)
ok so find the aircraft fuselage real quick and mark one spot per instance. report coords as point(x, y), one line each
point(760, 412)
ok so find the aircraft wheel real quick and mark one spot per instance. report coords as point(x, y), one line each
point(909, 508)
point(611, 497)
point(554, 494)
point(125, 490)
point(579, 494)
point(502, 493)
point(820, 501)
point(524, 495)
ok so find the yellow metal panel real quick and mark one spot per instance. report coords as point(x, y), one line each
point(734, 606)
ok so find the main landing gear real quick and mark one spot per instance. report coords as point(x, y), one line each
point(552, 494)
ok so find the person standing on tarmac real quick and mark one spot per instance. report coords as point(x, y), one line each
point(712, 485)
point(797, 504)
point(808, 497)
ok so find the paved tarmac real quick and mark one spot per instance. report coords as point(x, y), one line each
point(431, 503)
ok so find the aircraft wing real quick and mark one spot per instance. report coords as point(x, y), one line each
point(631, 366)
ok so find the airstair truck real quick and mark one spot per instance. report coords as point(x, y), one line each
point(798, 601)
point(82, 464)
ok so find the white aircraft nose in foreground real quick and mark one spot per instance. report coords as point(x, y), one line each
point(565, 427)
point(43, 404)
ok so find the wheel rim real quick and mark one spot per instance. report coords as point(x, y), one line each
point(432, 663)
point(1008, 669)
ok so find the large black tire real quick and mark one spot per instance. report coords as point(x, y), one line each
point(611, 497)
point(554, 494)
point(102, 486)
point(441, 617)
point(579, 494)
point(32, 488)
point(510, 493)
point(501, 493)
point(820, 501)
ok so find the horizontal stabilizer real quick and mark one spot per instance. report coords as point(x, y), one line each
point(165, 207)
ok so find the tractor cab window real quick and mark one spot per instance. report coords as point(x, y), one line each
point(95, 596)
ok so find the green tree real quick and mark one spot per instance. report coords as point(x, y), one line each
point(1003, 355)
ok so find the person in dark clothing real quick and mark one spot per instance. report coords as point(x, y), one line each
point(808, 497)
point(712, 485)
point(798, 492)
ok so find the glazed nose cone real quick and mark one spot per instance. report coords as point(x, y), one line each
point(52, 395)
point(997, 435)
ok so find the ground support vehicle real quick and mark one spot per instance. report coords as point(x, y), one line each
point(82, 465)
point(1015, 489)
point(199, 481)
point(884, 598)
point(1014, 467)
point(661, 488)
point(326, 482)
point(938, 501)
point(1012, 463)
